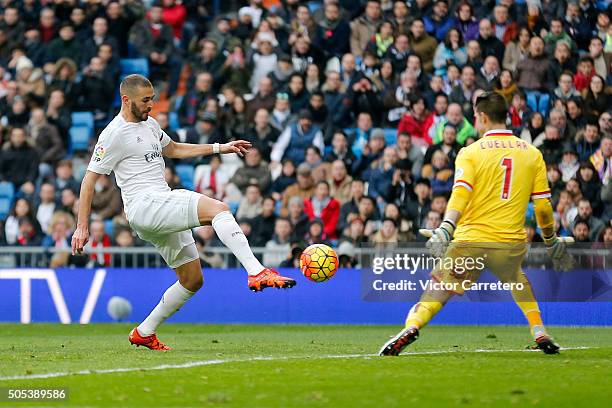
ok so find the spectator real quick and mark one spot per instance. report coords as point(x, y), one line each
point(586, 71)
point(212, 177)
point(532, 73)
point(251, 204)
point(98, 238)
point(422, 44)
point(205, 130)
point(489, 43)
point(388, 233)
point(262, 135)
point(27, 236)
point(106, 202)
point(294, 140)
point(297, 217)
point(316, 233)
point(286, 178)
point(333, 33)
point(47, 25)
point(566, 90)
point(581, 231)
point(596, 99)
point(590, 185)
point(30, 80)
point(254, 171)
point(58, 113)
point(263, 60)
point(569, 164)
point(95, 91)
point(576, 25)
point(398, 52)
point(340, 182)
point(154, 40)
point(18, 160)
point(463, 94)
point(279, 245)
point(488, 74)
point(465, 21)
point(585, 214)
point(382, 175)
point(64, 177)
point(413, 121)
point(298, 95)
point(61, 227)
point(454, 117)
point(46, 206)
point(364, 27)
point(534, 128)
point(400, 190)
point(64, 78)
point(439, 22)
point(518, 50)
point(451, 50)
point(47, 141)
point(505, 85)
point(550, 144)
point(263, 224)
point(439, 173)
point(448, 145)
point(340, 150)
point(211, 61)
point(22, 208)
point(560, 63)
point(519, 111)
point(558, 119)
point(407, 149)
point(120, 19)
point(322, 206)
point(264, 98)
point(370, 156)
point(505, 30)
point(92, 42)
point(195, 99)
point(602, 159)
point(303, 188)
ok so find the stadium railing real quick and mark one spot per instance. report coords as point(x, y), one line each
point(148, 257)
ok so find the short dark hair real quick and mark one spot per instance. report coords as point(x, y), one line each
point(131, 82)
point(493, 105)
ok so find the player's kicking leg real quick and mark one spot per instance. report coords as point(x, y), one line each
point(217, 213)
point(420, 314)
point(189, 282)
point(526, 301)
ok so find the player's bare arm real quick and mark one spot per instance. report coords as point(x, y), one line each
point(176, 150)
point(81, 234)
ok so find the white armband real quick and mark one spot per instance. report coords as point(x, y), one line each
point(216, 148)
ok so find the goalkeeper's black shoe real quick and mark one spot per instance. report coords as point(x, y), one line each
point(395, 346)
point(547, 345)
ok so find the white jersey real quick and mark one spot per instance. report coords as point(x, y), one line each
point(133, 150)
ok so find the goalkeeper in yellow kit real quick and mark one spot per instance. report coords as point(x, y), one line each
point(495, 177)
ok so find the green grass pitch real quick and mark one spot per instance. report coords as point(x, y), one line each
point(308, 366)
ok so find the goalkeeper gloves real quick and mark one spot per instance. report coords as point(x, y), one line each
point(439, 238)
point(557, 250)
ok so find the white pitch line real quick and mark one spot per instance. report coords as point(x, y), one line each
point(191, 364)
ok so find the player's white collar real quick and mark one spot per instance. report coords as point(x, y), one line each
point(498, 132)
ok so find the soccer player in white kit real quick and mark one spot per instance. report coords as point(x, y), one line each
point(132, 145)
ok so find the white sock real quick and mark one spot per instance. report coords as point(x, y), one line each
point(173, 298)
point(231, 235)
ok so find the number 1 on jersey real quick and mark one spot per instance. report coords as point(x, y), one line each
point(506, 163)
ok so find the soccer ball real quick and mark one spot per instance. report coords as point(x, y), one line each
point(318, 263)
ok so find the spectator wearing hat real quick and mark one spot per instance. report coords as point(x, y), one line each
point(282, 73)
point(569, 163)
point(294, 140)
point(324, 207)
point(371, 154)
point(263, 60)
point(281, 115)
point(30, 80)
point(195, 98)
point(302, 188)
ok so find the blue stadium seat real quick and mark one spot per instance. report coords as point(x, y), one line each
point(134, 66)
point(5, 207)
point(173, 121)
point(109, 228)
point(186, 173)
point(7, 190)
point(79, 138)
point(83, 119)
point(390, 136)
point(7, 193)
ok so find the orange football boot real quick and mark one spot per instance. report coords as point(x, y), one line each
point(269, 278)
point(149, 342)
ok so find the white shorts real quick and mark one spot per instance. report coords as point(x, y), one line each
point(165, 219)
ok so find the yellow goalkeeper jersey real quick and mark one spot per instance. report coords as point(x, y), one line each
point(503, 172)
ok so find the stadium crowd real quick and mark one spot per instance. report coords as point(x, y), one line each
point(356, 111)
